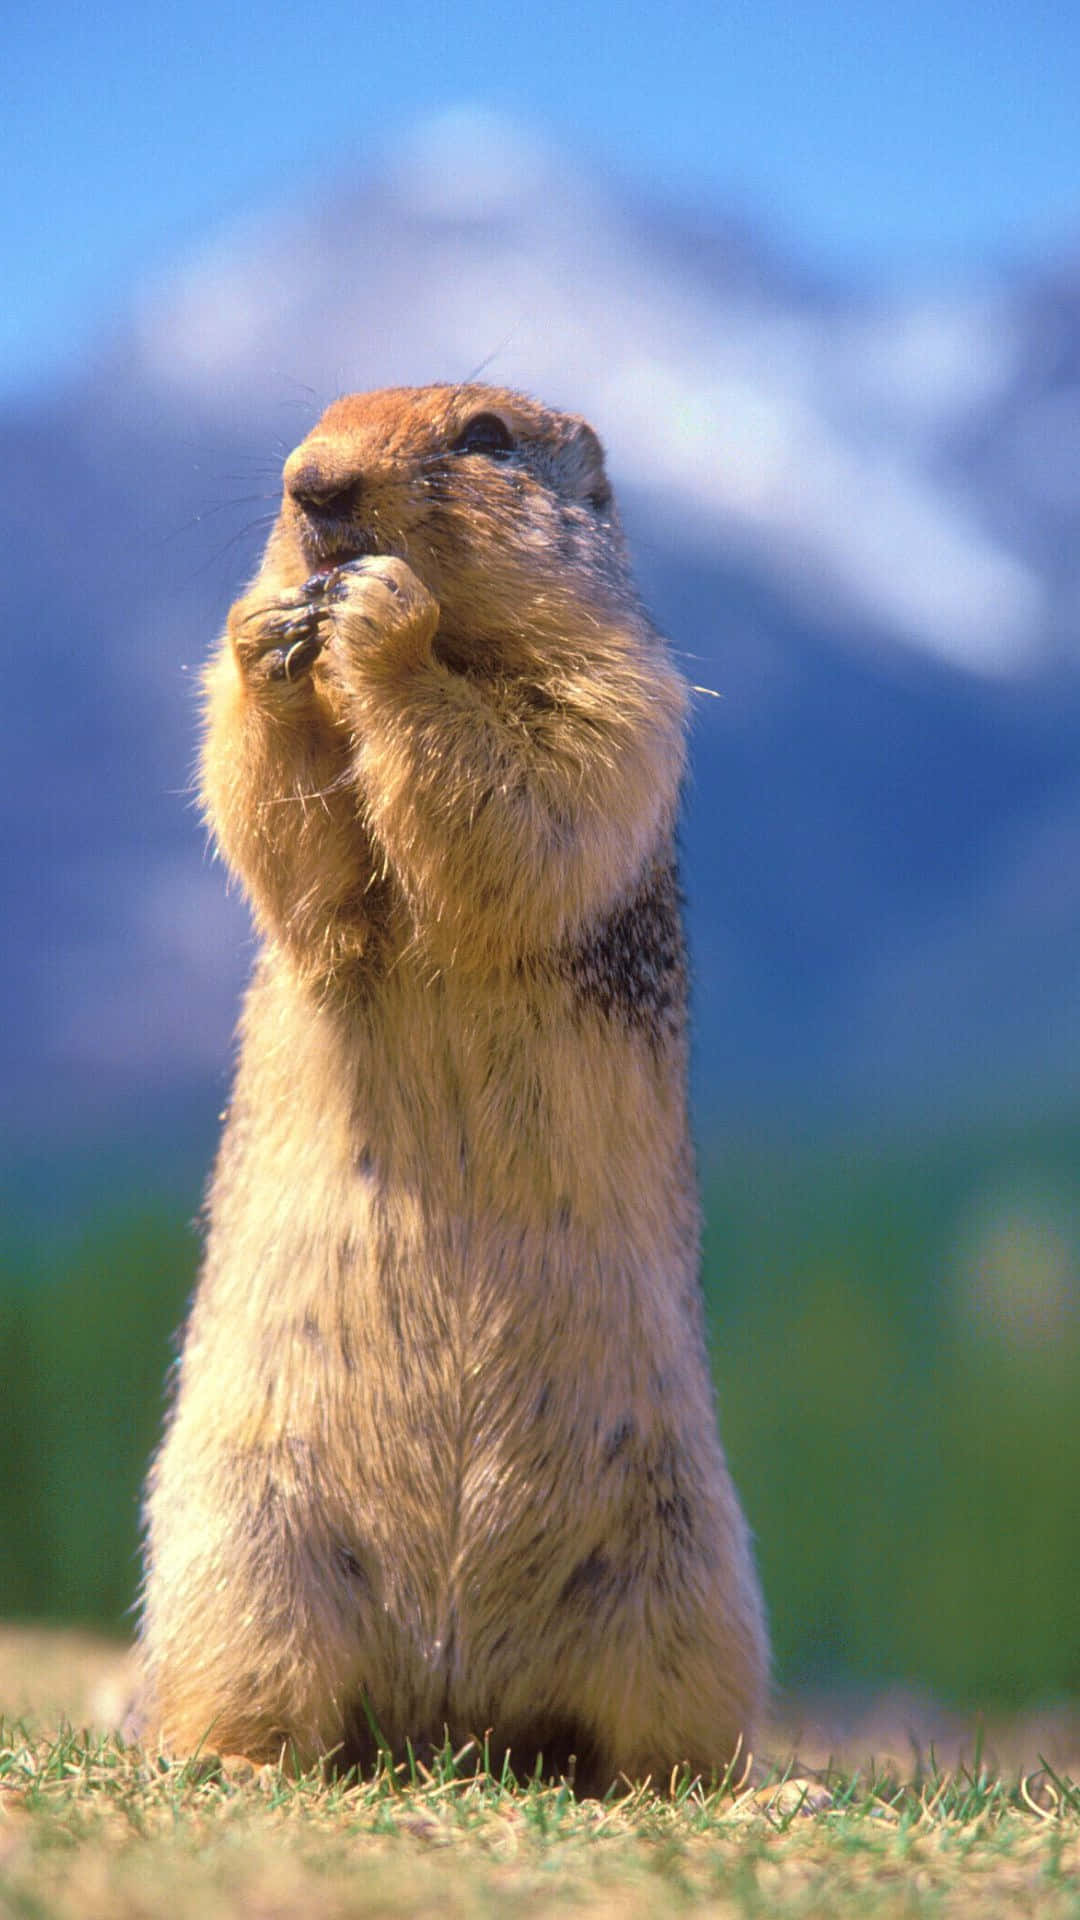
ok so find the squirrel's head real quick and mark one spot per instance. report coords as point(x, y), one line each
point(500, 505)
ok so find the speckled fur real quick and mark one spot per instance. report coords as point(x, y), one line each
point(443, 1450)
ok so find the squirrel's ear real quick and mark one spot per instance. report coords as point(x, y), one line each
point(585, 466)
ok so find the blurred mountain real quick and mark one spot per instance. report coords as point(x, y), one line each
point(856, 515)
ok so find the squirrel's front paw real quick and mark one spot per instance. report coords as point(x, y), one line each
point(380, 609)
point(278, 641)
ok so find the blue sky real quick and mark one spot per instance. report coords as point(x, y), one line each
point(915, 142)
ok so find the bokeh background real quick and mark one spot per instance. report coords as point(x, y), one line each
point(813, 270)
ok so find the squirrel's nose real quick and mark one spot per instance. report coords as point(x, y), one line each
point(320, 486)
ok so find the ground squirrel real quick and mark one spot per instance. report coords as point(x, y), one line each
point(443, 1453)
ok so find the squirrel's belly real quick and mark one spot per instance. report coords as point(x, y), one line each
point(452, 1269)
point(461, 1383)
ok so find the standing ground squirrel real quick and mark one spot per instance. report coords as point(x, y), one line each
point(443, 1452)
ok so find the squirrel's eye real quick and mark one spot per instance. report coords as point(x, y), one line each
point(485, 433)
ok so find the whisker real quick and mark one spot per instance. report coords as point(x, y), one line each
point(207, 513)
point(473, 377)
point(301, 386)
point(264, 521)
point(206, 450)
point(257, 463)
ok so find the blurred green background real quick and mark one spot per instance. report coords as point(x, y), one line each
point(898, 1363)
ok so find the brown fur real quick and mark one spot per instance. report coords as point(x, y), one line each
point(443, 1451)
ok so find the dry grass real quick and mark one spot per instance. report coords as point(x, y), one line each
point(90, 1826)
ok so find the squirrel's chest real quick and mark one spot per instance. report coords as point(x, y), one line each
point(440, 1130)
point(509, 1104)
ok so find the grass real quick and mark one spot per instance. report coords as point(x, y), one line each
point(90, 1825)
